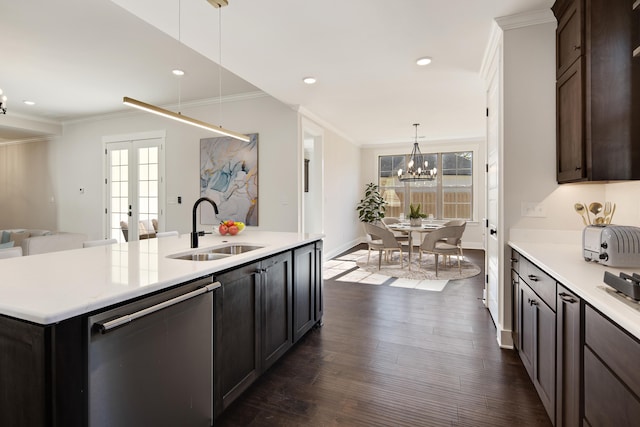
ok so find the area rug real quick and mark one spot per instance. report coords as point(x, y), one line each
point(424, 270)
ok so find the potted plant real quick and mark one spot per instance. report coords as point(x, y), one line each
point(415, 216)
point(371, 207)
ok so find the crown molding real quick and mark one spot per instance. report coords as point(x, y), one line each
point(526, 19)
point(321, 122)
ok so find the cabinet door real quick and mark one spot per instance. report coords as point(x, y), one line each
point(237, 363)
point(515, 309)
point(570, 125)
point(545, 355)
point(569, 37)
point(319, 302)
point(568, 363)
point(276, 307)
point(527, 319)
point(303, 290)
point(538, 349)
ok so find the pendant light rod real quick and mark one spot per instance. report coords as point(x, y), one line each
point(183, 119)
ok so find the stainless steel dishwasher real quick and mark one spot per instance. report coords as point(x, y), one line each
point(151, 361)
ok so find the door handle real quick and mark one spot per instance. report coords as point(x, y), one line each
point(493, 232)
point(104, 327)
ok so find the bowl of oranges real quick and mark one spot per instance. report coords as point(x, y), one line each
point(229, 227)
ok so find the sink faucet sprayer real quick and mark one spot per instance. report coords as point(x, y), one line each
point(194, 233)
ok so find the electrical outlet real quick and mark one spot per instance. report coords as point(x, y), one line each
point(533, 210)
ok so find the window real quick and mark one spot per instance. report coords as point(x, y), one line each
point(449, 196)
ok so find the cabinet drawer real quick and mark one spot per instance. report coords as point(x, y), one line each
point(618, 350)
point(541, 283)
point(515, 261)
point(607, 402)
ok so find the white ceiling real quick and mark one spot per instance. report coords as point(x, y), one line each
point(78, 58)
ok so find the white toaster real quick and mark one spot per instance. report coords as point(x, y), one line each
point(612, 245)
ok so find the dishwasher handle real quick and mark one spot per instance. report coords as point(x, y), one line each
point(104, 327)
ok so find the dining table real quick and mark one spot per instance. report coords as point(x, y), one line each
point(408, 229)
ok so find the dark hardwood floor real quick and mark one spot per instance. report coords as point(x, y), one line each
point(396, 357)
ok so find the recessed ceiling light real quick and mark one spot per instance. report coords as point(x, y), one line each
point(309, 80)
point(27, 102)
point(177, 72)
point(425, 60)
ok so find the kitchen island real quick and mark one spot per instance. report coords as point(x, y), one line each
point(57, 309)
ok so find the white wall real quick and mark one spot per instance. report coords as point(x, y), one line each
point(78, 162)
point(474, 232)
point(26, 186)
point(342, 191)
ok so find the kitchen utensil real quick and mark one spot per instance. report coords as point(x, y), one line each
point(595, 208)
point(607, 211)
point(613, 210)
point(580, 209)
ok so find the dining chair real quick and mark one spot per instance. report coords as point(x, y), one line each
point(437, 243)
point(382, 240)
point(399, 235)
point(456, 241)
point(101, 242)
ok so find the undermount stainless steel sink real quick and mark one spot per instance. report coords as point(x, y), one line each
point(206, 256)
point(212, 254)
point(234, 249)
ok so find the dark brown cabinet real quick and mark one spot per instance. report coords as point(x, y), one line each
point(304, 310)
point(253, 324)
point(262, 309)
point(237, 359)
point(597, 136)
point(611, 379)
point(319, 301)
point(568, 358)
point(535, 305)
point(276, 307)
point(539, 345)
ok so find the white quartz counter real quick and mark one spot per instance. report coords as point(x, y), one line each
point(52, 287)
point(564, 262)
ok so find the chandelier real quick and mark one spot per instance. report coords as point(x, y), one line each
point(415, 170)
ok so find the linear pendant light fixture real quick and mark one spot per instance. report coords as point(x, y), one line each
point(178, 116)
point(183, 119)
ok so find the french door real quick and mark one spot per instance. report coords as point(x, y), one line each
point(134, 188)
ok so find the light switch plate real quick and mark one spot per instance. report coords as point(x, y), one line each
point(533, 210)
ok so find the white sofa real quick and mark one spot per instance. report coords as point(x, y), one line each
point(34, 241)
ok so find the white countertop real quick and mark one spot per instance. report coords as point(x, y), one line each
point(564, 262)
point(52, 287)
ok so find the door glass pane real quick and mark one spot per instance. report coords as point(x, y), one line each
point(119, 203)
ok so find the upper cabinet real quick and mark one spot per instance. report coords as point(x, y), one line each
point(597, 91)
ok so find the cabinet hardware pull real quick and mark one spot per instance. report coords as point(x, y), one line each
point(578, 168)
point(533, 278)
point(566, 297)
point(534, 302)
point(514, 259)
point(104, 327)
point(577, 47)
